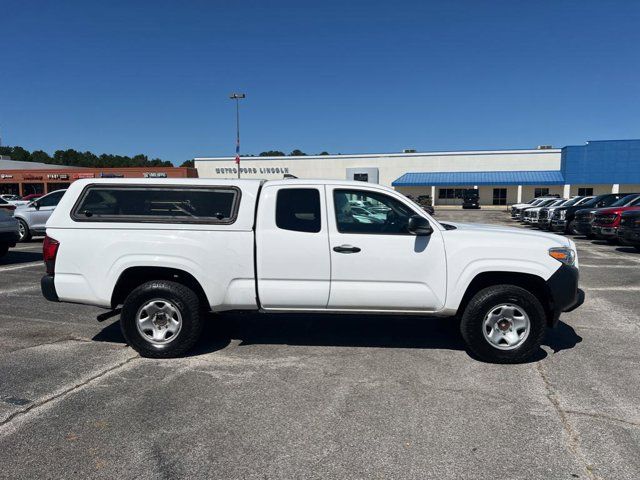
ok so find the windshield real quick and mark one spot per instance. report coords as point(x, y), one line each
point(593, 201)
point(624, 200)
point(572, 201)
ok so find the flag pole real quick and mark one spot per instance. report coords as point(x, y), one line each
point(237, 97)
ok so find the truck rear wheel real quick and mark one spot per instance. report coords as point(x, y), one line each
point(161, 319)
point(503, 324)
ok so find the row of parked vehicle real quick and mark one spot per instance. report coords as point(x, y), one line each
point(614, 217)
point(23, 217)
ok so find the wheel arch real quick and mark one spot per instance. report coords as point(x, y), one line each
point(133, 277)
point(534, 284)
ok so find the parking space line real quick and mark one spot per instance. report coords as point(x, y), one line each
point(18, 267)
point(612, 289)
point(20, 289)
point(635, 267)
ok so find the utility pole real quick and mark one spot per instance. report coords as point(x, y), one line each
point(237, 97)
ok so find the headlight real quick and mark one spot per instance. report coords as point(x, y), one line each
point(563, 214)
point(564, 255)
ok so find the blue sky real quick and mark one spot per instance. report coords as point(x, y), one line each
point(343, 76)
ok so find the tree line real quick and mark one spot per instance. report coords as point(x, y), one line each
point(74, 158)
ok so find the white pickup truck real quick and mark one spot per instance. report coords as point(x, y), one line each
point(168, 251)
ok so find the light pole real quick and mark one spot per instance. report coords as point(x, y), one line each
point(237, 97)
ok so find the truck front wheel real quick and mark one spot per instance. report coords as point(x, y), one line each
point(503, 324)
point(161, 319)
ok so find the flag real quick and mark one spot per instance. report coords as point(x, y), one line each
point(238, 152)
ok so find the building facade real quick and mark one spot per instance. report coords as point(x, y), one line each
point(47, 178)
point(502, 177)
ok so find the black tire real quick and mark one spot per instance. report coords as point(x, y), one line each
point(4, 248)
point(571, 228)
point(471, 325)
point(27, 233)
point(637, 247)
point(184, 300)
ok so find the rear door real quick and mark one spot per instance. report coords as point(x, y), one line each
point(376, 264)
point(292, 247)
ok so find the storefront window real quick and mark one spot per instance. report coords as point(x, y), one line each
point(499, 196)
point(10, 188)
point(52, 187)
point(540, 192)
point(29, 188)
point(585, 192)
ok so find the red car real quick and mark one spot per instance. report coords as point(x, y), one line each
point(32, 196)
point(6, 206)
point(607, 220)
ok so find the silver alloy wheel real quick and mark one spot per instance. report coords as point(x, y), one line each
point(22, 229)
point(506, 326)
point(159, 321)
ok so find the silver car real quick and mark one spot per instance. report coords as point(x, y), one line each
point(8, 232)
point(33, 217)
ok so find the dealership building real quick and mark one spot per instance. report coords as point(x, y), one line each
point(502, 177)
point(24, 178)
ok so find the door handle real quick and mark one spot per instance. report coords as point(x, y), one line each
point(346, 249)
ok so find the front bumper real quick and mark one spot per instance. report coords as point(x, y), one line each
point(631, 235)
point(564, 292)
point(583, 227)
point(604, 232)
point(558, 224)
point(48, 288)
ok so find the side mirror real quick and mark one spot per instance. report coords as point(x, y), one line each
point(36, 205)
point(419, 225)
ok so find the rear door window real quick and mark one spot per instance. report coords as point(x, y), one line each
point(158, 204)
point(298, 209)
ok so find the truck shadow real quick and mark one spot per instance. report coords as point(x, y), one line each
point(363, 331)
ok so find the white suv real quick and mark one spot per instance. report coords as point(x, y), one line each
point(167, 250)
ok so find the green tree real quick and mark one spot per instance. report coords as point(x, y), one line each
point(40, 157)
point(20, 154)
point(188, 163)
point(324, 153)
point(297, 153)
point(272, 153)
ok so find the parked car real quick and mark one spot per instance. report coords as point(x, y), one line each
point(532, 214)
point(546, 213)
point(32, 196)
point(584, 218)
point(165, 250)
point(607, 220)
point(471, 199)
point(516, 210)
point(629, 229)
point(6, 206)
point(564, 220)
point(33, 217)
point(8, 232)
point(13, 199)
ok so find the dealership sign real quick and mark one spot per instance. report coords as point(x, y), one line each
point(261, 170)
point(154, 175)
point(4, 175)
point(58, 176)
point(78, 176)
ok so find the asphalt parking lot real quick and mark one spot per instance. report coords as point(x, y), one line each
point(312, 396)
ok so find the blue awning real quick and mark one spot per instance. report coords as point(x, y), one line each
point(541, 177)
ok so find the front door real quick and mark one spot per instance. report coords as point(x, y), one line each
point(292, 248)
point(376, 264)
